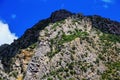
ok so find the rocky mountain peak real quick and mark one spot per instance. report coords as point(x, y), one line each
point(60, 15)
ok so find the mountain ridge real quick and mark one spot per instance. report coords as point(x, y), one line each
point(33, 37)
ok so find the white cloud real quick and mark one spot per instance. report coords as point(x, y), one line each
point(6, 37)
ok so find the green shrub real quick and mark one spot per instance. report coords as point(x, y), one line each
point(59, 77)
point(33, 46)
point(111, 73)
point(72, 79)
point(53, 73)
point(49, 78)
point(68, 38)
point(1, 78)
point(72, 72)
point(55, 25)
point(110, 37)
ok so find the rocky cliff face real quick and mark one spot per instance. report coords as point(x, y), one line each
point(65, 46)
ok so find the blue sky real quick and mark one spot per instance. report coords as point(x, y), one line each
point(19, 15)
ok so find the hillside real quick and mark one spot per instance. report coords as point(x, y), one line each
point(65, 46)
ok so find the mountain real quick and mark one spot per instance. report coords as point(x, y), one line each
point(65, 46)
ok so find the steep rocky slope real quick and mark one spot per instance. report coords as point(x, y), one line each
point(65, 46)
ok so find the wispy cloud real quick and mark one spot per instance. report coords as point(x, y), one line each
point(13, 16)
point(105, 6)
point(6, 37)
point(108, 1)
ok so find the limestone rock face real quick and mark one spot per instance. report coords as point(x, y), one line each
point(65, 46)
